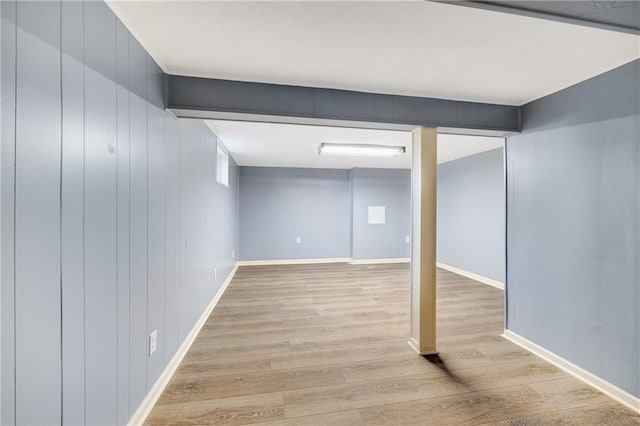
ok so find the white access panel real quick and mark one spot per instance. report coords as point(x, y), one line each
point(376, 215)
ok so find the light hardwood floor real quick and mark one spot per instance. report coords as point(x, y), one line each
point(327, 345)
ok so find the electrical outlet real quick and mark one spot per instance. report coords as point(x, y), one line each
point(215, 273)
point(233, 254)
point(153, 342)
point(407, 239)
point(298, 240)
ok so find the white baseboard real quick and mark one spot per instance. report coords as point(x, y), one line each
point(328, 260)
point(591, 379)
point(156, 390)
point(416, 347)
point(476, 277)
point(376, 261)
point(292, 261)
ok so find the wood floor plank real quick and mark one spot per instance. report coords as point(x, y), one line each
point(342, 418)
point(607, 413)
point(459, 409)
point(376, 392)
point(186, 387)
point(327, 345)
point(224, 411)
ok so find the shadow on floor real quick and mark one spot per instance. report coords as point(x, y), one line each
point(439, 362)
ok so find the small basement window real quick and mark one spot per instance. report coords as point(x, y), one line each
point(222, 166)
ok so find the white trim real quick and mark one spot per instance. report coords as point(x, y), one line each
point(328, 260)
point(150, 400)
point(388, 260)
point(476, 277)
point(415, 346)
point(591, 379)
point(292, 261)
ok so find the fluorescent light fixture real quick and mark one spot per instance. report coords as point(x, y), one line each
point(361, 149)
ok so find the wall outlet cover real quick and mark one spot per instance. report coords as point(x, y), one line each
point(153, 342)
point(298, 240)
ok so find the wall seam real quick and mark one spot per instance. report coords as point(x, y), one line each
point(84, 189)
point(129, 213)
point(60, 228)
point(15, 184)
point(146, 331)
point(506, 234)
point(117, 213)
point(179, 252)
point(164, 192)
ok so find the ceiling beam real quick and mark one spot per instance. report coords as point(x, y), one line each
point(193, 96)
point(620, 16)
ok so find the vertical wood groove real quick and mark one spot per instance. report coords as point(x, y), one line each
point(74, 66)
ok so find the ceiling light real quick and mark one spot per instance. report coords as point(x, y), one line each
point(361, 149)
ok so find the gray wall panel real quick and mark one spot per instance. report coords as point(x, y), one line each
point(381, 187)
point(279, 204)
point(138, 224)
point(203, 168)
point(574, 228)
point(156, 238)
point(101, 340)
point(172, 233)
point(123, 255)
point(101, 268)
point(223, 210)
point(138, 227)
point(615, 100)
point(8, 85)
point(471, 214)
point(155, 84)
point(184, 277)
point(73, 134)
point(188, 282)
point(37, 220)
point(137, 69)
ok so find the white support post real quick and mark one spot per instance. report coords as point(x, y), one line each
point(423, 240)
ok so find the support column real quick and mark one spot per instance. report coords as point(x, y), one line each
point(423, 240)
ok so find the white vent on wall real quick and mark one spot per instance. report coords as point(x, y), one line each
point(376, 215)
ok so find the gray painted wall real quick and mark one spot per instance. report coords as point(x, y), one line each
point(279, 204)
point(329, 210)
point(119, 223)
point(471, 214)
point(573, 283)
point(381, 187)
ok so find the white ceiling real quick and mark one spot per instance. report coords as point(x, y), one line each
point(288, 145)
point(417, 48)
